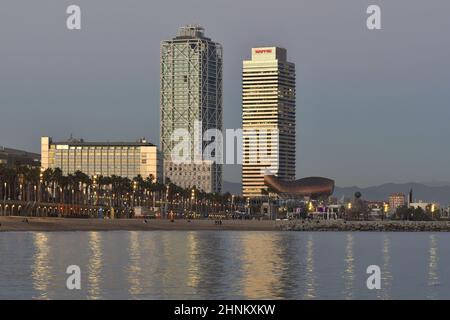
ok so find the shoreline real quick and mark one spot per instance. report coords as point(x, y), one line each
point(19, 224)
point(16, 224)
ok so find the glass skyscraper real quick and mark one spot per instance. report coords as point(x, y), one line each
point(191, 99)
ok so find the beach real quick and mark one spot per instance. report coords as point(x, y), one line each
point(69, 224)
point(72, 224)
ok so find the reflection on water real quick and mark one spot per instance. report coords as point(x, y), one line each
point(193, 260)
point(42, 267)
point(310, 290)
point(386, 275)
point(134, 268)
point(95, 265)
point(433, 277)
point(223, 265)
point(261, 269)
point(349, 272)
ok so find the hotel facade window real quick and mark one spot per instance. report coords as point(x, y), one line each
point(124, 159)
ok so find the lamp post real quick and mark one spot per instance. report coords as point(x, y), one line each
point(94, 185)
point(41, 176)
point(385, 209)
point(192, 199)
point(167, 200)
point(135, 185)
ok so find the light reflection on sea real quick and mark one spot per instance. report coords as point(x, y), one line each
point(224, 265)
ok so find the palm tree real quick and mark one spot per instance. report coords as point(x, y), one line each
point(20, 182)
point(83, 182)
point(57, 180)
point(47, 179)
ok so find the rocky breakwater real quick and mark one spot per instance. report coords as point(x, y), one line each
point(341, 225)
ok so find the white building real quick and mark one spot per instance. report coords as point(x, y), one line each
point(124, 159)
point(425, 206)
point(268, 112)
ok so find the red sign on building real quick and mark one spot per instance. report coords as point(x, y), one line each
point(263, 51)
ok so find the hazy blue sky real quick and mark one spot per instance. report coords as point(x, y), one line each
point(372, 106)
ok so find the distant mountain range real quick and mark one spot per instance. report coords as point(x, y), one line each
point(436, 193)
point(431, 192)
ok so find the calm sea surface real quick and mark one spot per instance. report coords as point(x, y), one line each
point(224, 265)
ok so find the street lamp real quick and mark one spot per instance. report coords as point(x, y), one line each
point(385, 209)
point(41, 179)
point(167, 199)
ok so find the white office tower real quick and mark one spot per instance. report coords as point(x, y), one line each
point(268, 111)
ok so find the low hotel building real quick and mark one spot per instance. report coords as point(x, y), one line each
point(124, 159)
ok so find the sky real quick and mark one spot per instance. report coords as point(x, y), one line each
point(373, 106)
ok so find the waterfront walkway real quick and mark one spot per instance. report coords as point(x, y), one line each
point(74, 224)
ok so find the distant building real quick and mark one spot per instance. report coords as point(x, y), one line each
point(410, 197)
point(377, 209)
point(14, 157)
point(372, 205)
point(425, 206)
point(396, 200)
point(125, 159)
point(191, 100)
point(268, 119)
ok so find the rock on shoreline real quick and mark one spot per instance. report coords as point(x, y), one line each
point(340, 225)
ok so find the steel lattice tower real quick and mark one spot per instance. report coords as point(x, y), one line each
point(191, 91)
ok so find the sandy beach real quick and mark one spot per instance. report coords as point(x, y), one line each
point(64, 224)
